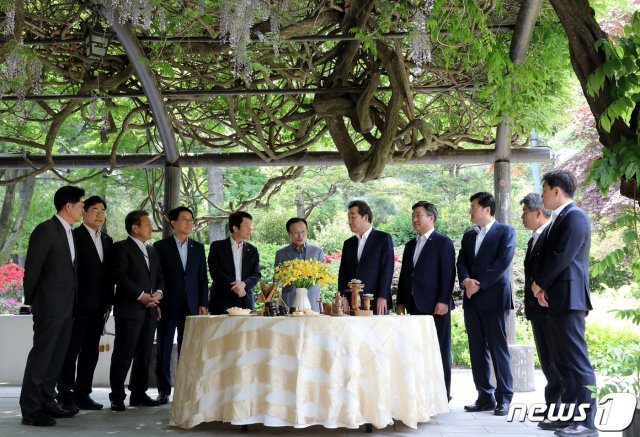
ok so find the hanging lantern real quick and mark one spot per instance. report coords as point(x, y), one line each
point(96, 42)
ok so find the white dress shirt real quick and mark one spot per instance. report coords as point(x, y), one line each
point(556, 212)
point(97, 240)
point(183, 250)
point(143, 248)
point(482, 232)
point(68, 229)
point(537, 233)
point(236, 250)
point(362, 240)
point(421, 240)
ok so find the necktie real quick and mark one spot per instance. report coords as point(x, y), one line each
point(98, 241)
point(72, 247)
point(479, 238)
point(146, 255)
point(419, 247)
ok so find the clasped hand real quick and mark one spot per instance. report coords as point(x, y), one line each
point(540, 294)
point(471, 287)
point(238, 287)
point(151, 300)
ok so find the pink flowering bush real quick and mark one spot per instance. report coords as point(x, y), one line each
point(11, 291)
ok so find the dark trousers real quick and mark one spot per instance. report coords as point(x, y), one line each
point(487, 335)
point(443, 329)
point(44, 363)
point(133, 342)
point(164, 347)
point(83, 349)
point(546, 347)
point(568, 328)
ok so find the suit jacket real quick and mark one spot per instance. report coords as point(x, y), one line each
point(180, 283)
point(532, 259)
point(95, 284)
point(132, 277)
point(431, 280)
point(223, 273)
point(375, 268)
point(490, 267)
point(289, 253)
point(50, 276)
point(564, 269)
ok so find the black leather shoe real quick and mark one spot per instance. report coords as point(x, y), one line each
point(553, 425)
point(577, 429)
point(118, 406)
point(502, 409)
point(479, 405)
point(163, 398)
point(38, 419)
point(70, 406)
point(86, 403)
point(54, 410)
point(143, 401)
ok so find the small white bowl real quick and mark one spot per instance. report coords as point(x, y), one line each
point(238, 311)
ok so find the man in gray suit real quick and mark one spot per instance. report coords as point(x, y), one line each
point(299, 249)
point(50, 288)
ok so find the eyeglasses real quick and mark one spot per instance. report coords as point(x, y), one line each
point(298, 233)
point(97, 211)
point(186, 220)
point(415, 216)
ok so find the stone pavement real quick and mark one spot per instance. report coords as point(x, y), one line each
point(140, 421)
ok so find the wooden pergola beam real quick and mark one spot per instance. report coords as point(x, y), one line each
point(205, 94)
point(446, 156)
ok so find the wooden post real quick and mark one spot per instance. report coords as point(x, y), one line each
point(171, 194)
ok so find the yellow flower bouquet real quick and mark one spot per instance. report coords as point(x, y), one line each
point(303, 273)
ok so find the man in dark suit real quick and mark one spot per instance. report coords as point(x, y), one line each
point(50, 288)
point(427, 277)
point(185, 292)
point(95, 293)
point(234, 265)
point(139, 283)
point(535, 217)
point(483, 264)
point(367, 256)
point(561, 283)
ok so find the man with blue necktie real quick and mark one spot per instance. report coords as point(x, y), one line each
point(485, 255)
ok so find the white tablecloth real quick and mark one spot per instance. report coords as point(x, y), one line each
point(303, 371)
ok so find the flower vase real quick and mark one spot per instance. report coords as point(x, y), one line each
point(301, 301)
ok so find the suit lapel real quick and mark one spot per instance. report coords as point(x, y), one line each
point(367, 245)
point(137, 253)
point(83, 233)
point(63, 236)
point(424, 248)
point(487, 238)
point(173, 245)
point(560, 217)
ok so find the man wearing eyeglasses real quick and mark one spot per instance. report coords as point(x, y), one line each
point(427, 276)
point(95, 293)
point(185, 291)
point(299, 249)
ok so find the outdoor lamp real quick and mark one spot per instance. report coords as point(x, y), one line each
point(96, 41)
